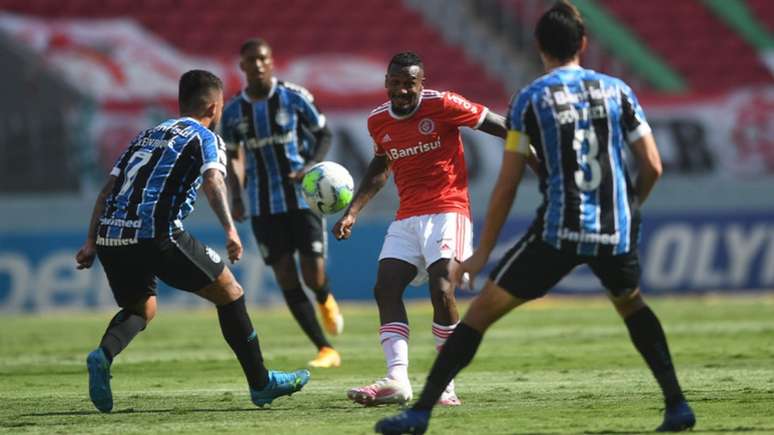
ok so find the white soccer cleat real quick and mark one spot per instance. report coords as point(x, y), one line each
point(449, 397)
point(382, 392)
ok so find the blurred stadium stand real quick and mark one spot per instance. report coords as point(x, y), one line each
point(709, 54)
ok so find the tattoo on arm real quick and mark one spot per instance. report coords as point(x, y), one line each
point(215, 188)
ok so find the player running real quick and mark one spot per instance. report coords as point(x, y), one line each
point(416, 135)
point(136, 229)
point(274, 130)
point(579, 121)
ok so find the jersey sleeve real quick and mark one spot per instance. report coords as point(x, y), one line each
point(633, 119)
point(229, 126)
point(213, 152)
point(378, 149)
point(517, 139)
point(459, 111)
point(303, 103)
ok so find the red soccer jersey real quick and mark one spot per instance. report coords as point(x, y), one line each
point(425, 152)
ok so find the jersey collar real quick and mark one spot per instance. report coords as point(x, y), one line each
point(408, 115)
point(271, 92)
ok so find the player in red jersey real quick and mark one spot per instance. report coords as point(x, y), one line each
point(416, 135)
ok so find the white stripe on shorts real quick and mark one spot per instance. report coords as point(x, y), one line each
point(513, 258)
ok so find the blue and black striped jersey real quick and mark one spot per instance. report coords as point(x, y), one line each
point(272, 132)
point(157, 179)
point(579, 122)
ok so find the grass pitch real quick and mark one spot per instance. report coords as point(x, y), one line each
point(554, 366)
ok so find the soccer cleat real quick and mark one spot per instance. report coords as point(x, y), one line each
point(410, 421)
point(333, 321)
point(327, 357)
point(449, 397)
point(280, 384)
point(99, 380)
point(382, 392)
point(677, 418)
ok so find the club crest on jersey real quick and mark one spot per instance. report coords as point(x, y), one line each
point(213, 255)
point(282, 117)
point(426, 126)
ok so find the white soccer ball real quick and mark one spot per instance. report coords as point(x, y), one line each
point(327, 187)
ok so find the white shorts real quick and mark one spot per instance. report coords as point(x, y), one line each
point(423, 240)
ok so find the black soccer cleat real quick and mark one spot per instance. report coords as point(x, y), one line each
point(677, 418)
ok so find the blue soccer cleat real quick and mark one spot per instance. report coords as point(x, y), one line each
point(280, 384)
point(410, 421)
point(677, 418)
point(99, 380)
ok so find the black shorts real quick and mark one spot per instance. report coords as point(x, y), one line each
point(532, 267)
point(285, 233)
point(182, 262)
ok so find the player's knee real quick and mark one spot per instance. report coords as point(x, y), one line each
point(385, 294)
point(627, 301)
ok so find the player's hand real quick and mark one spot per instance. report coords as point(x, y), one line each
point(343, 228)
point(238, 210)
point(233, 245)
point(298, 176)
point(85, 256)
point(472, 266)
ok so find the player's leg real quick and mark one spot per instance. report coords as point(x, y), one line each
point(392, 279)
point(620, 276)
point(445, 236)
point(526, 272)
point(189, 265)
point(133, 285)
point(310, 241)
point(274, 234)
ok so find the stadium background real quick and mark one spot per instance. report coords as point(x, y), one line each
point(80, 78)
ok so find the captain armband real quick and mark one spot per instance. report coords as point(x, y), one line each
point(518, 142)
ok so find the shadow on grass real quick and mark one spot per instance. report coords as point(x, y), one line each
point(174, 411)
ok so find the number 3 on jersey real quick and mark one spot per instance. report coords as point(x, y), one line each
point(137, 161)
point(587, 159)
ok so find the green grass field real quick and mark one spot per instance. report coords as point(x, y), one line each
point(555, 366)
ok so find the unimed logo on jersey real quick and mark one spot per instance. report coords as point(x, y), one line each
point(419, 148)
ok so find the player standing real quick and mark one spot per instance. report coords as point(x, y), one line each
point(264, 125)
point(136, 229)
point(579, 121)
point(416, 135)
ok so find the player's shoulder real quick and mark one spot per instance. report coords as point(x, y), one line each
point(379, 113)
point(233, 105)
point(296, 89)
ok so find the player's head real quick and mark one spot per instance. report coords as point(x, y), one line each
point(561, 34)
point(404, 81)
point(200, 96)
point(256, 61)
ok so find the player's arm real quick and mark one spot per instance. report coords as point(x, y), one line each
point(317, 124)
point(649, 165)
point(235, 177)
point(85, 255)
point(496, 125)
point(375, 178)
point(214, 187)
point(500, 202)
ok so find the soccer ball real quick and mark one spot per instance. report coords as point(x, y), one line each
point(327, 187)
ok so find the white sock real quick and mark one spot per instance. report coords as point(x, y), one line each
point(394, 338)
point(441, 333)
